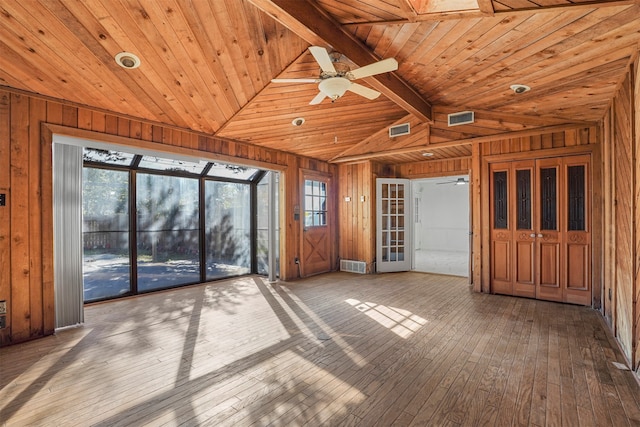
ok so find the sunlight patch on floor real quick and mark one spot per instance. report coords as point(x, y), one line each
point(399, 321)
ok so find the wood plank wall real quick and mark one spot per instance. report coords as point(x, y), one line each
point(357, 216)
point(26, 231)
point(429, 168)
point(621, 160)
point(624, 215)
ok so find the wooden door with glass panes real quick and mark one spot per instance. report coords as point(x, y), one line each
point(540, 229)
point(394, 238)
point(316, 224)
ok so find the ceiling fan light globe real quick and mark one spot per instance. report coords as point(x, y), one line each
point(334, 87)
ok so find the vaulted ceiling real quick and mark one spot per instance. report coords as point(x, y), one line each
point(207, 65)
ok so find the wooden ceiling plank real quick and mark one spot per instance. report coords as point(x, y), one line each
point(502, 44)
point(532, 8)
point(187, 48)
point(59, 70)
point(124, 33)
point(561, 65)
point(478, 43)
point(481, 86)
point(13, 73)
point(216, 108)
point(202, 24)
point(314, 25)
point(400, 42)
point(353, 10)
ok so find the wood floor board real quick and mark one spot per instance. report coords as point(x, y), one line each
point(337, 349)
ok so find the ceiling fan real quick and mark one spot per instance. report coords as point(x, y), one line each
point(336, 78)
point(459, 181)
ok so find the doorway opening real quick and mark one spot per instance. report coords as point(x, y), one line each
point(441, 225)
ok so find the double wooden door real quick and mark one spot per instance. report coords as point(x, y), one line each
point(541, 230)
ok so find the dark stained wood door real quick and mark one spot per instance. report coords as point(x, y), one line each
point(577, 235)
point(501, 229)
point(540, 229)
point(316, 224)
point(548, 237)
point(524, 234)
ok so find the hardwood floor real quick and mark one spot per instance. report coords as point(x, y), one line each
point(337, 349)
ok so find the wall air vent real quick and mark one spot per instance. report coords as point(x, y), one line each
point(461, 118)
point(399, 130)
point(353, 266)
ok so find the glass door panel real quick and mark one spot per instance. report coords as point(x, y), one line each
point(393, 248)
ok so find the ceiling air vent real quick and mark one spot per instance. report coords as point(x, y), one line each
point(462, 118)
point(399, 130)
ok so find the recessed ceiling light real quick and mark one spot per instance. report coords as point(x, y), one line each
point(520, 88)
point(298, 121)
point(127, 60)
point(427, 154)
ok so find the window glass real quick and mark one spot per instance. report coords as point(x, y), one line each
point(548, 208)
point(223, 170)
point(227, 229)
point(523, 195)
point(167, 212)
point(105, 233)
point(164, 164)
point(577, 198)
point(500, 200)
point(263, 226)
point(315, 203)
point(107, 156)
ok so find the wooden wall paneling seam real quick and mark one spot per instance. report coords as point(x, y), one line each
point(5, 217)
point(635, 132)
point(37, 113)
point(597, 214)
point(486, 226)
point(46, 228)
point(476, 212)
point(608, 227)
point(623, 211)
point(19, 211)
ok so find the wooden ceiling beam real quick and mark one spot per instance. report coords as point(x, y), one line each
point(453, 143)
point(315, 26)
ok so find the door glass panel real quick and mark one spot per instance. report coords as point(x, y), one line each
point(105, 233)
point(500, 200)
point(523, 189)
point(393, 222)
point(227, 229)
point(576, 198)
point(168, 244)
point(548, 208)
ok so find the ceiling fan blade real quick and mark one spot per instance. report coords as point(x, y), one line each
point(322, 58)
point(384, 66)
point(318, 99)
point(295, 80)
point(363, 91)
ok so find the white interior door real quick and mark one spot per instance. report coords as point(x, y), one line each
point(393, 238)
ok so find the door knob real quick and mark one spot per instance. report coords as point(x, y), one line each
point(539, 234)
point(532, 235)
